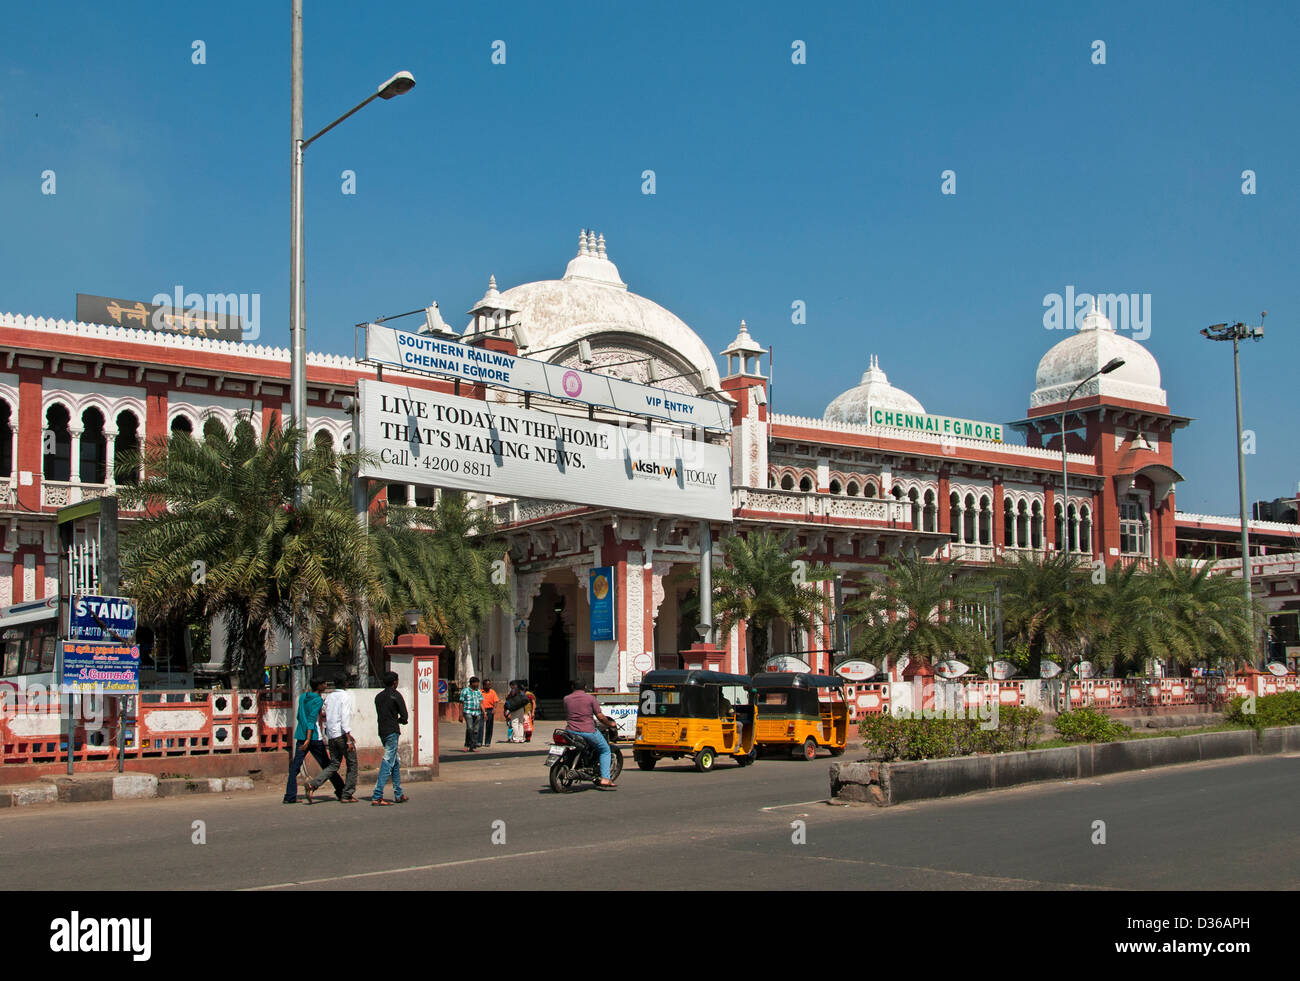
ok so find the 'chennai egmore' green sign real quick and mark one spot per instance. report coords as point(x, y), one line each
point(943, 425)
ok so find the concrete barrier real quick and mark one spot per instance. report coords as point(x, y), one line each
point(895, 783)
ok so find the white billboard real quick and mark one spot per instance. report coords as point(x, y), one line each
point(420, 437)
point(426, 352)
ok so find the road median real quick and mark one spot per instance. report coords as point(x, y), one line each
point(885, 784)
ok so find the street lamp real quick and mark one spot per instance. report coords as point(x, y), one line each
point(1105, 369)
point(400, 83)
point(1236, 333)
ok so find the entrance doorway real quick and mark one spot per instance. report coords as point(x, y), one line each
point(551, 635)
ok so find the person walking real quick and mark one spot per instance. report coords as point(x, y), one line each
point(471, 703)
point(338, 730)
point(489, 701)
point(514, 706)
point(390, 710)
point(307, 739)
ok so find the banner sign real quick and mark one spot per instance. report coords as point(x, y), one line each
point(436, 439)
point(600, 599)
point(181, 319)
point(106, 618)
point(425, 352)
point(89, 667)
point(943, 425)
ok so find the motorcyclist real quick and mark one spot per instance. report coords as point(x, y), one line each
point(582, 710)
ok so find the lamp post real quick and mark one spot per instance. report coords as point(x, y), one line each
point(1105, 369)
point(1236, 333)
point(399, 84)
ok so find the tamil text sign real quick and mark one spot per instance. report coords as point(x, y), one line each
point(415, 436)
point(88, 666)
point(424, 352)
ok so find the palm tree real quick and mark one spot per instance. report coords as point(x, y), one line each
point(761, 583)
point(441, 561)
point(222, 534)
point(919, 610)
point(1132, 622)
point(1046, 604)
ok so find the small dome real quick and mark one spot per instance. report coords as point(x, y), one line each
point(1087, 351)
point(874, 392)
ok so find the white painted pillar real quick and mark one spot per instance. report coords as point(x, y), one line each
point(110, 452)
point(74, 465)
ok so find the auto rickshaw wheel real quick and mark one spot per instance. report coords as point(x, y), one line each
point(809, 748)
point(561, 779)
point(704, 759)
point(748, 758)
point(645, 761)
point(836, 750)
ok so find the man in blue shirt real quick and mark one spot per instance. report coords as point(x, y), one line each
point(307, 739)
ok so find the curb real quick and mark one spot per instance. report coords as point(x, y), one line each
point(83, 788)
point(884, 784)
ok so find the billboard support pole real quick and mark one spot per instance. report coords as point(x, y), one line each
point(706, 578)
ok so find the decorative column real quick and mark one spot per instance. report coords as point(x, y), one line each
point(74, 465)
point(110, 451)
point(410, 495)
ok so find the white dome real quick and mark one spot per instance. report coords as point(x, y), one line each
point(1086, 352)
point(592, 303)
point(874, 392)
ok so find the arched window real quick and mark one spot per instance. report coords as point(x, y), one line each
point(324, 440)
point(954, 515)
point(915, 497)
point(969, 514)
point(6, 439)
point(787, 482)
point(806, 484)
point(214, 428)
point(1036, 526)
point(1022, 525)
point(1008, 522)
point(126, 449)
point(1058, 517)
point(182, 424)
point(931, 512)
point(1085, 530)
point(57, 444)
point(869, 489)
point(1074, 528)
point(836, 487)
point(986, 521)
point(853, 488)
point(244, 430)
point(92, 467)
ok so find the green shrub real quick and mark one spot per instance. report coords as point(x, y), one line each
point(1282, 709)
point(889, 737)
point(1087, 725)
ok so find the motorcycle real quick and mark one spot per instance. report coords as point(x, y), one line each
point(572, 761)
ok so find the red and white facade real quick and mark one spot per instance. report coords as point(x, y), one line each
point(852, 493)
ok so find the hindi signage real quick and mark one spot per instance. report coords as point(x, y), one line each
point(89, 667)
point(188, 319)
point(416, 436)
point(441, 356)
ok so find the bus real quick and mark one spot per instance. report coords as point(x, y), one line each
point(28, 635)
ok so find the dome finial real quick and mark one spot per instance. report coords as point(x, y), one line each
point(582, 242)
point(600, 245)
point(492, 282)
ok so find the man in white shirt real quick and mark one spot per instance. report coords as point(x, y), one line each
point(338, 733)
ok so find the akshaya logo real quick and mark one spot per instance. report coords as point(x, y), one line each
point(649, 468)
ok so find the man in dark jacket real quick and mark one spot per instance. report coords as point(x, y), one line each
point(390, 708)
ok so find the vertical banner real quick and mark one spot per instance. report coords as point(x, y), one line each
point(600, 598)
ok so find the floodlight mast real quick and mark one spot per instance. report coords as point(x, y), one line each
point(1237, 333)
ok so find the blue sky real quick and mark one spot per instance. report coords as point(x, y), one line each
point(775, 182)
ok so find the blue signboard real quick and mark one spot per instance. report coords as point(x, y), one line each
point(106, 618)
point(88, 666)
point(600, 596)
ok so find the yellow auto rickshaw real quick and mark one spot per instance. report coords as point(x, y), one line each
point(702, 714)
point(799, 712)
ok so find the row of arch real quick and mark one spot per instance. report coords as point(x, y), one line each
point(93, 443)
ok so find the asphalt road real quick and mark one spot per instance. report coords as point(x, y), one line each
point(1200, 826)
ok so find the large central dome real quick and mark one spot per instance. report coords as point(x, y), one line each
point(873, 392)
point(625, 331)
